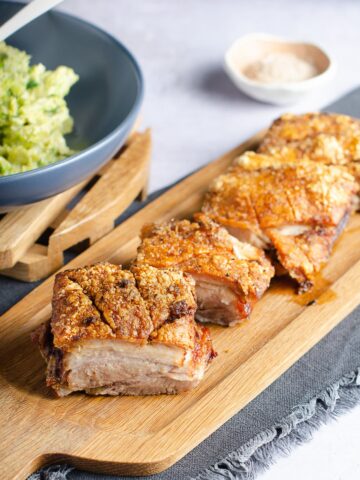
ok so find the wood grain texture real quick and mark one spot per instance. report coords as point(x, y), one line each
point(144, 435)
point(22, 227)
point(120, 182)
point(118, 186)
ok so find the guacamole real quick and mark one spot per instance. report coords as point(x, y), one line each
point(34, 116)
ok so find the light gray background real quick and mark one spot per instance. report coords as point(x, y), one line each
point(196, 114)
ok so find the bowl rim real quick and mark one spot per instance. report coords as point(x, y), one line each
point(77, 157)
point(299, 86)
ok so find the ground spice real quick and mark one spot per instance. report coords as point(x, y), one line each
point(280, 68)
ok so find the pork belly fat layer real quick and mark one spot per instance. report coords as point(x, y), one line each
point(123, 332)
point(112, 366)
point(230, 275)
point(257, 238)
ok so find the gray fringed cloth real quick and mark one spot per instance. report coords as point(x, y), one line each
point(320, 386)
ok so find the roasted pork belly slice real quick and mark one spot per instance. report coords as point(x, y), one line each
point(230, 275)
point(320, 137)
point(114, 332)
point(255, 198)
point(283, 206)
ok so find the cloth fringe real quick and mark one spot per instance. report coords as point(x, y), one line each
point(55, 472)
point(264, 449)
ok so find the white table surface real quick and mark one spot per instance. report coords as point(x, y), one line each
point(196, 115)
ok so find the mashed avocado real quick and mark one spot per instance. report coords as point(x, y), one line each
point(34, 116)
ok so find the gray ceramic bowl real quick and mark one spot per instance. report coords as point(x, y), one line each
point(104, 103)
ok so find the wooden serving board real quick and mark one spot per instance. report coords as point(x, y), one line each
point(144, 435)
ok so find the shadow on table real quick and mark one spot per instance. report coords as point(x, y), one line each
point(215, 82)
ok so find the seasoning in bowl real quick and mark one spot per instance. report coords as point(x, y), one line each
point(276, 70)
point(280, 67)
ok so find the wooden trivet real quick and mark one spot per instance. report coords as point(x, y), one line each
point(105, 197)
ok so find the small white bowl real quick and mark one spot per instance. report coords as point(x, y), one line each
point(253, 47)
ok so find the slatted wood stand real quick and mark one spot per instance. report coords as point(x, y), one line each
point(113, 189)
